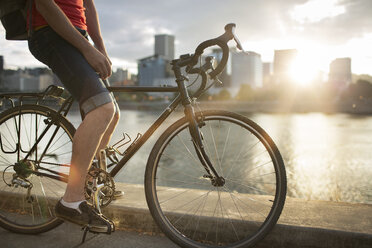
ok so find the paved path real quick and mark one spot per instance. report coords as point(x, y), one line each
point(69, 235)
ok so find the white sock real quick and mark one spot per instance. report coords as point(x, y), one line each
point(73, 205)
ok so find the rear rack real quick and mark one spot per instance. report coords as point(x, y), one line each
point(53, 95)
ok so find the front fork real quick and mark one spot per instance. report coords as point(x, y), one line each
point(197, 140)
point(194, 127)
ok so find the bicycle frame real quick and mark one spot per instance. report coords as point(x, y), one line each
point(133, 148)
point(137, 144)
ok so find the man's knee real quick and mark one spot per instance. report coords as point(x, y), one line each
point(108, 111)
point(103, 114)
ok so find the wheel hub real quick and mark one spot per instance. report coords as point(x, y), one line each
point(24, 169)
point(218, 181)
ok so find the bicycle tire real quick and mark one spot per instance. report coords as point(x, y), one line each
point(33, 213)
point(185, 204)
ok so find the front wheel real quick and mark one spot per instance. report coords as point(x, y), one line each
point(194, 211)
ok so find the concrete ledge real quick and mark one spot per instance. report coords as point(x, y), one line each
point(302, 223)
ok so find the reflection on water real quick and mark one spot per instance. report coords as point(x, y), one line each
point(327, 157)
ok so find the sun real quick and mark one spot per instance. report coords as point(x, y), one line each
point(304, 69)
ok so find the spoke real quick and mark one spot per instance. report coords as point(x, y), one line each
point(68, 141)
point(32, 211)
point(190, 219)
point(46, 198)
point(62, 133)
point(6, 160)
point(215, 146)
point(236, 206)
point(6, 125)
point(201, 214)
point(7, 147)
point(179, 173)
point(177, 195)
point(188, 150)
point(25, 128)
point(231, 223)
point(238, 156)
point(58, 185)
point(182, 206)
point(180, 181)
point(262, 175)
point(224, 147)
point(263, 215)
point(268, 162)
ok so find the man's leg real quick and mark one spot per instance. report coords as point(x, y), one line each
point(107, 135)
point(86, 141)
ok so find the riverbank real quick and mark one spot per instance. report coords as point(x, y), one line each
point(362, 107)
point(359, 107)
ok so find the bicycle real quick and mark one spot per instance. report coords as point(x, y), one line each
point(213, 178)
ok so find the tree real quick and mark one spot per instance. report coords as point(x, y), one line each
point(224, 94)
point(245, 93)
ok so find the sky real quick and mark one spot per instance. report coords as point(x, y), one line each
point(321, 30)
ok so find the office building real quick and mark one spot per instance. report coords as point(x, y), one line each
point(246, 68)
point(283, 63)
point(29, 80)
point(164, 46)
point(340, 72)
point(151, 69)
point(155, 69)
point(267, 70)
point(121, 77)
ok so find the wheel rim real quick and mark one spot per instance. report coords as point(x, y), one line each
point(18, 208)
point(242, 209)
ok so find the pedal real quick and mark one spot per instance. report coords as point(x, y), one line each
point(99, 230)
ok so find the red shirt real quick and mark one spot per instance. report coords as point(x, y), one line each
point(73, 9)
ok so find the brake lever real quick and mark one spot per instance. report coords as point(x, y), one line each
point(238, 44)
point(230, 34)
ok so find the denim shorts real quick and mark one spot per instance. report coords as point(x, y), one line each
point(75, 73)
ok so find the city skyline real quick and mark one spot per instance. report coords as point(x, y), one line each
point(321, 30)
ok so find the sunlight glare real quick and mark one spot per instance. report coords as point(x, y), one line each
point(317, 10)
point(304, 70)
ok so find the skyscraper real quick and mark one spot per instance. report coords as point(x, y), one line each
point(267, 69)
point(164, 46)
point(246, 68)
point(283, 62)
point(340, 72)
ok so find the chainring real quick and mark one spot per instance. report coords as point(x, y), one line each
point(107, 191)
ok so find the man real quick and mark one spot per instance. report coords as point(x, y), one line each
point(60, 41)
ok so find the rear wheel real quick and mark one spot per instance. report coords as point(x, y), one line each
point(30, 187)
point(192, 208)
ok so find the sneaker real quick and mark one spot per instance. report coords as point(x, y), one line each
point(87, 216)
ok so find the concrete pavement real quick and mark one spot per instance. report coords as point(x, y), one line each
point(69, 235)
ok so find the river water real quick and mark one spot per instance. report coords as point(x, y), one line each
point(327, 157)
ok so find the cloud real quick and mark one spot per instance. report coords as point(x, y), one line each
point(128, 27)
point(353, 21)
